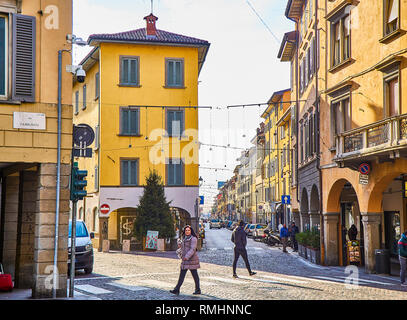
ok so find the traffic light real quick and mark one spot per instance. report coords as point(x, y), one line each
point(78, 183)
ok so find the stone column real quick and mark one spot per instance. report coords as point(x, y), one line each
point(25, 256)
point(305, 219)
point(10, 224)
point(314, 218)
point(104, 234)
point(45, 232)
point(371, 222)
point(331, 240)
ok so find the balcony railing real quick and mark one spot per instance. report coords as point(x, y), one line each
point(378, 136)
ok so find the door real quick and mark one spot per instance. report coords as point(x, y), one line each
point(392, 232)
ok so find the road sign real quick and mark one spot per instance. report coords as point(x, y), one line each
point(364, 168)
point(221, 184)
point(285, 199)
point(84, 153)
point(363, 179)
point(104, 208)
point(201, 199)
point(83, 134)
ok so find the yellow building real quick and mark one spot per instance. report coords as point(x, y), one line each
point(363, 121)
point(33, 165)
point(277, 156)
point(141, 94)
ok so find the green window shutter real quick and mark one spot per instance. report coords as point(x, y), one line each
point(178, 73)
point(133, 72)
point(97, 85)
point(125, 68)
point(171, 173)
point(125, 170)
point(170, 119)
point(133, 122)
point(170, 74)
point(133, 172)
point(125, 121)
point(3, 48)
point(24, 36)
point(76, 102)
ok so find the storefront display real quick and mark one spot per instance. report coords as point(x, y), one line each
point(353, 252)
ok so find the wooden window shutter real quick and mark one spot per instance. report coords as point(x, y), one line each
point(23, 58)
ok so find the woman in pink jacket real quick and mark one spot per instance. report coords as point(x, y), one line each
point(190, 260)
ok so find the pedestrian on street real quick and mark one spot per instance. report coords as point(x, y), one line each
point(284, 237)
point(403, 257)
point(240, 241)
point(352, 232)
point(293, 231)
point(190, 260)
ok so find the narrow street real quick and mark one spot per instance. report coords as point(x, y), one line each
point(280, 276)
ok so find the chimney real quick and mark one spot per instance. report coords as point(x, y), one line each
point(151, 30)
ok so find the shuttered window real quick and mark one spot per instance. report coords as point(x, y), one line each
point(97, 85)
point(175, 122)
point(129, 172)
point(175, 172)
point(84, 98)
point(3, 55)
point(129, 71)
point(130, 121)
point(23, 58)
point(76, 102)
point(174, 72)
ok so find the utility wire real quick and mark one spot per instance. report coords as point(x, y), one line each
point(262, 21)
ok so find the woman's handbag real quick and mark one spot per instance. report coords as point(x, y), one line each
point(179, 250)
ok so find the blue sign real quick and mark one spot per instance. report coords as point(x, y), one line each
point(220, 184)
point(285, 199)
point(201, 199)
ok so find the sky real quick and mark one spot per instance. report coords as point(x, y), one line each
point(241, 66)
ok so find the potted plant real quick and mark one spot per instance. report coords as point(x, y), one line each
point(302, 239)
point(314, 247)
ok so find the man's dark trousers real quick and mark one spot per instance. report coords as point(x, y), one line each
point(241, 252)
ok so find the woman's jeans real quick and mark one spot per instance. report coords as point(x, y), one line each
point(182, 277)
point(403, 266)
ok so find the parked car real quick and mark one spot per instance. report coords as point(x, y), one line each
point(233, 226)
point(258, 233)
point(83, 247)
point(214, 223)
point(246, 227)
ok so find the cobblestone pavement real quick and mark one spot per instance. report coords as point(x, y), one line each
point(281, 276)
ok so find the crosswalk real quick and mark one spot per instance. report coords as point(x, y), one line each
point(143, 285)
point(252, 250)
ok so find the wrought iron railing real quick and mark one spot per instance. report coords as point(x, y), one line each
point(379, 135)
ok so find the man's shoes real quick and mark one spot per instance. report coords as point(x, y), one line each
point(197, 291)
point(404, 284)
point(235, 276)
point(252, 273)
point(175, 291)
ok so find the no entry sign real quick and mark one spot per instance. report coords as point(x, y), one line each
point(104, 208)
point(364, 168)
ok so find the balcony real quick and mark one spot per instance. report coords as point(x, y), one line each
point(380, 141)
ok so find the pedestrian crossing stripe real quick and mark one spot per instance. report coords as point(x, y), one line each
point(92, 289)
point(128, 287)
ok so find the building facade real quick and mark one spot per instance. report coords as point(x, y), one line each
point(141, 98)
point(35, 151)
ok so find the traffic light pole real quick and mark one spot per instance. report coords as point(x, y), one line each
point(73, 251)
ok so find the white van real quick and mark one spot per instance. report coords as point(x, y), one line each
point(83, 247)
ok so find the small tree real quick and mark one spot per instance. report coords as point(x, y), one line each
point(153, 212)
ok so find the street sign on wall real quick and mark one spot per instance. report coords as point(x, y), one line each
point(104, 208)
point(201, 199)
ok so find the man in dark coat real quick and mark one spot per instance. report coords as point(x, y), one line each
point(293, 231)
point(240, 241)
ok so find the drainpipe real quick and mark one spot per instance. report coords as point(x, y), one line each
point(58, 184)
point(318, 147)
